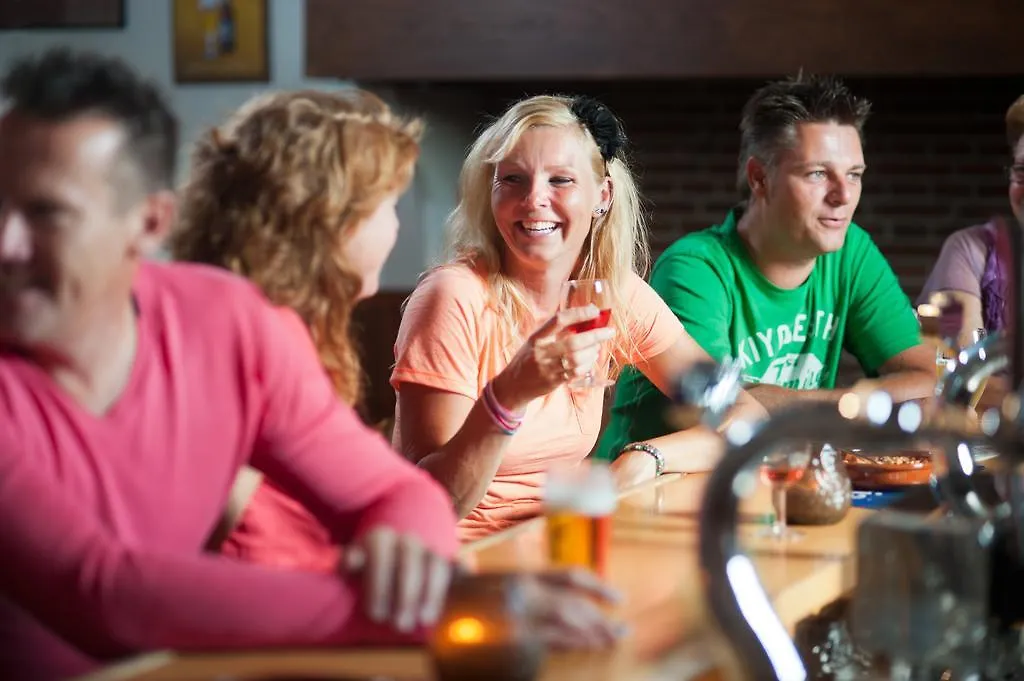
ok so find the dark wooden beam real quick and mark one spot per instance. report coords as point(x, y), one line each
point(450, 40)
point(15, 14)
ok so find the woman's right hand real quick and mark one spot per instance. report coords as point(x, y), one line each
point(553, 355)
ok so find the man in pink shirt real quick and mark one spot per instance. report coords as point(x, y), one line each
point(131, 392)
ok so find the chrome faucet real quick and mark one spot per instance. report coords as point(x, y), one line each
point(706, 393)
point(736, 598)
point(971, 368)
point(733, 589)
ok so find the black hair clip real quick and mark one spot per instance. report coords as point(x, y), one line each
point(604, 126)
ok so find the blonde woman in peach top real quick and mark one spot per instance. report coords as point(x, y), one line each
point(484, 357)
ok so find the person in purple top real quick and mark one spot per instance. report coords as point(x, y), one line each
point(970, 268)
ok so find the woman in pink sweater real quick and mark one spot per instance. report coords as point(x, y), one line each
point(297, 192)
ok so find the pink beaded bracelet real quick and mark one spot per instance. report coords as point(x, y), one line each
point(506, 420)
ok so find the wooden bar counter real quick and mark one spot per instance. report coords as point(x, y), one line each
point(653, 562)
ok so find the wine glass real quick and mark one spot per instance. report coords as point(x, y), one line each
point(580, 293)
point(780, 469)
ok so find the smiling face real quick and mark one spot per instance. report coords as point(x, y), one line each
point(809, 197)
point(544, 197)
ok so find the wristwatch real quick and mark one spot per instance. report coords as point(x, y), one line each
point(659, 458)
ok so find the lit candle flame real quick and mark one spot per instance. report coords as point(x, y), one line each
point(466, 630)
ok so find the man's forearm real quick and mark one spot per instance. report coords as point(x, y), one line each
point(773, 398)
point(902, 386)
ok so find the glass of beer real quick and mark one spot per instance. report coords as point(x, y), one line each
point(579, 500)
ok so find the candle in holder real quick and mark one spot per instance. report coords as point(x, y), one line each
point(484, 633)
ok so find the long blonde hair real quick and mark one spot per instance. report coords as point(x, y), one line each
point(273, 192)
point(615, 249)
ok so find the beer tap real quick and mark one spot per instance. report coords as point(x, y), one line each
point(973, 366)
point(734, 592)
point(960, 386)
point(705, 394)
point(955, 630)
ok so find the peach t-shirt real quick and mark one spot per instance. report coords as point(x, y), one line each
point(451, 339)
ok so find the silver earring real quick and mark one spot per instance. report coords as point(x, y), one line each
point(600, 211)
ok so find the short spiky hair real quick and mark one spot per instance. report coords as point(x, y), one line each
point(771, 115)
point(62, 84)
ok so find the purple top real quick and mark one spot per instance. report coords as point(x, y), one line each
point(970, 263)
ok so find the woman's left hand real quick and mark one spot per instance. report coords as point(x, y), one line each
point(633, 468)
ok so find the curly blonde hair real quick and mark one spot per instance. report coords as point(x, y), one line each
point(273, 192)
point(617, 244)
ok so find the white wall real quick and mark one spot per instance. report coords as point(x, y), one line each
point(145, 42)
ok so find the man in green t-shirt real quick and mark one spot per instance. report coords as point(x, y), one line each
point(787, 280)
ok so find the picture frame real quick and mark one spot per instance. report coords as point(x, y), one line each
point(220, 40)
point(57, 14)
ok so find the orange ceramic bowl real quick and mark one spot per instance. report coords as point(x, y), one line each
point(895, 469)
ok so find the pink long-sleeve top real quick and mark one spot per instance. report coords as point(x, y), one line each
point(103, 518)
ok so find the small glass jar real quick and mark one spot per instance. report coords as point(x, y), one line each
point(824, 494)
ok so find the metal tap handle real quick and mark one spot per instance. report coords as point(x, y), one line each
point(973, 366)
point(706, 393)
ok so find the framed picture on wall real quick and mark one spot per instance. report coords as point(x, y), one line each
point(220, 40)
point(15, 14)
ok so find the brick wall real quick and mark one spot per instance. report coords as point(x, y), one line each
point(935, 150)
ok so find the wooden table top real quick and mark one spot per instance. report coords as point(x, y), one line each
point(652, 561)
